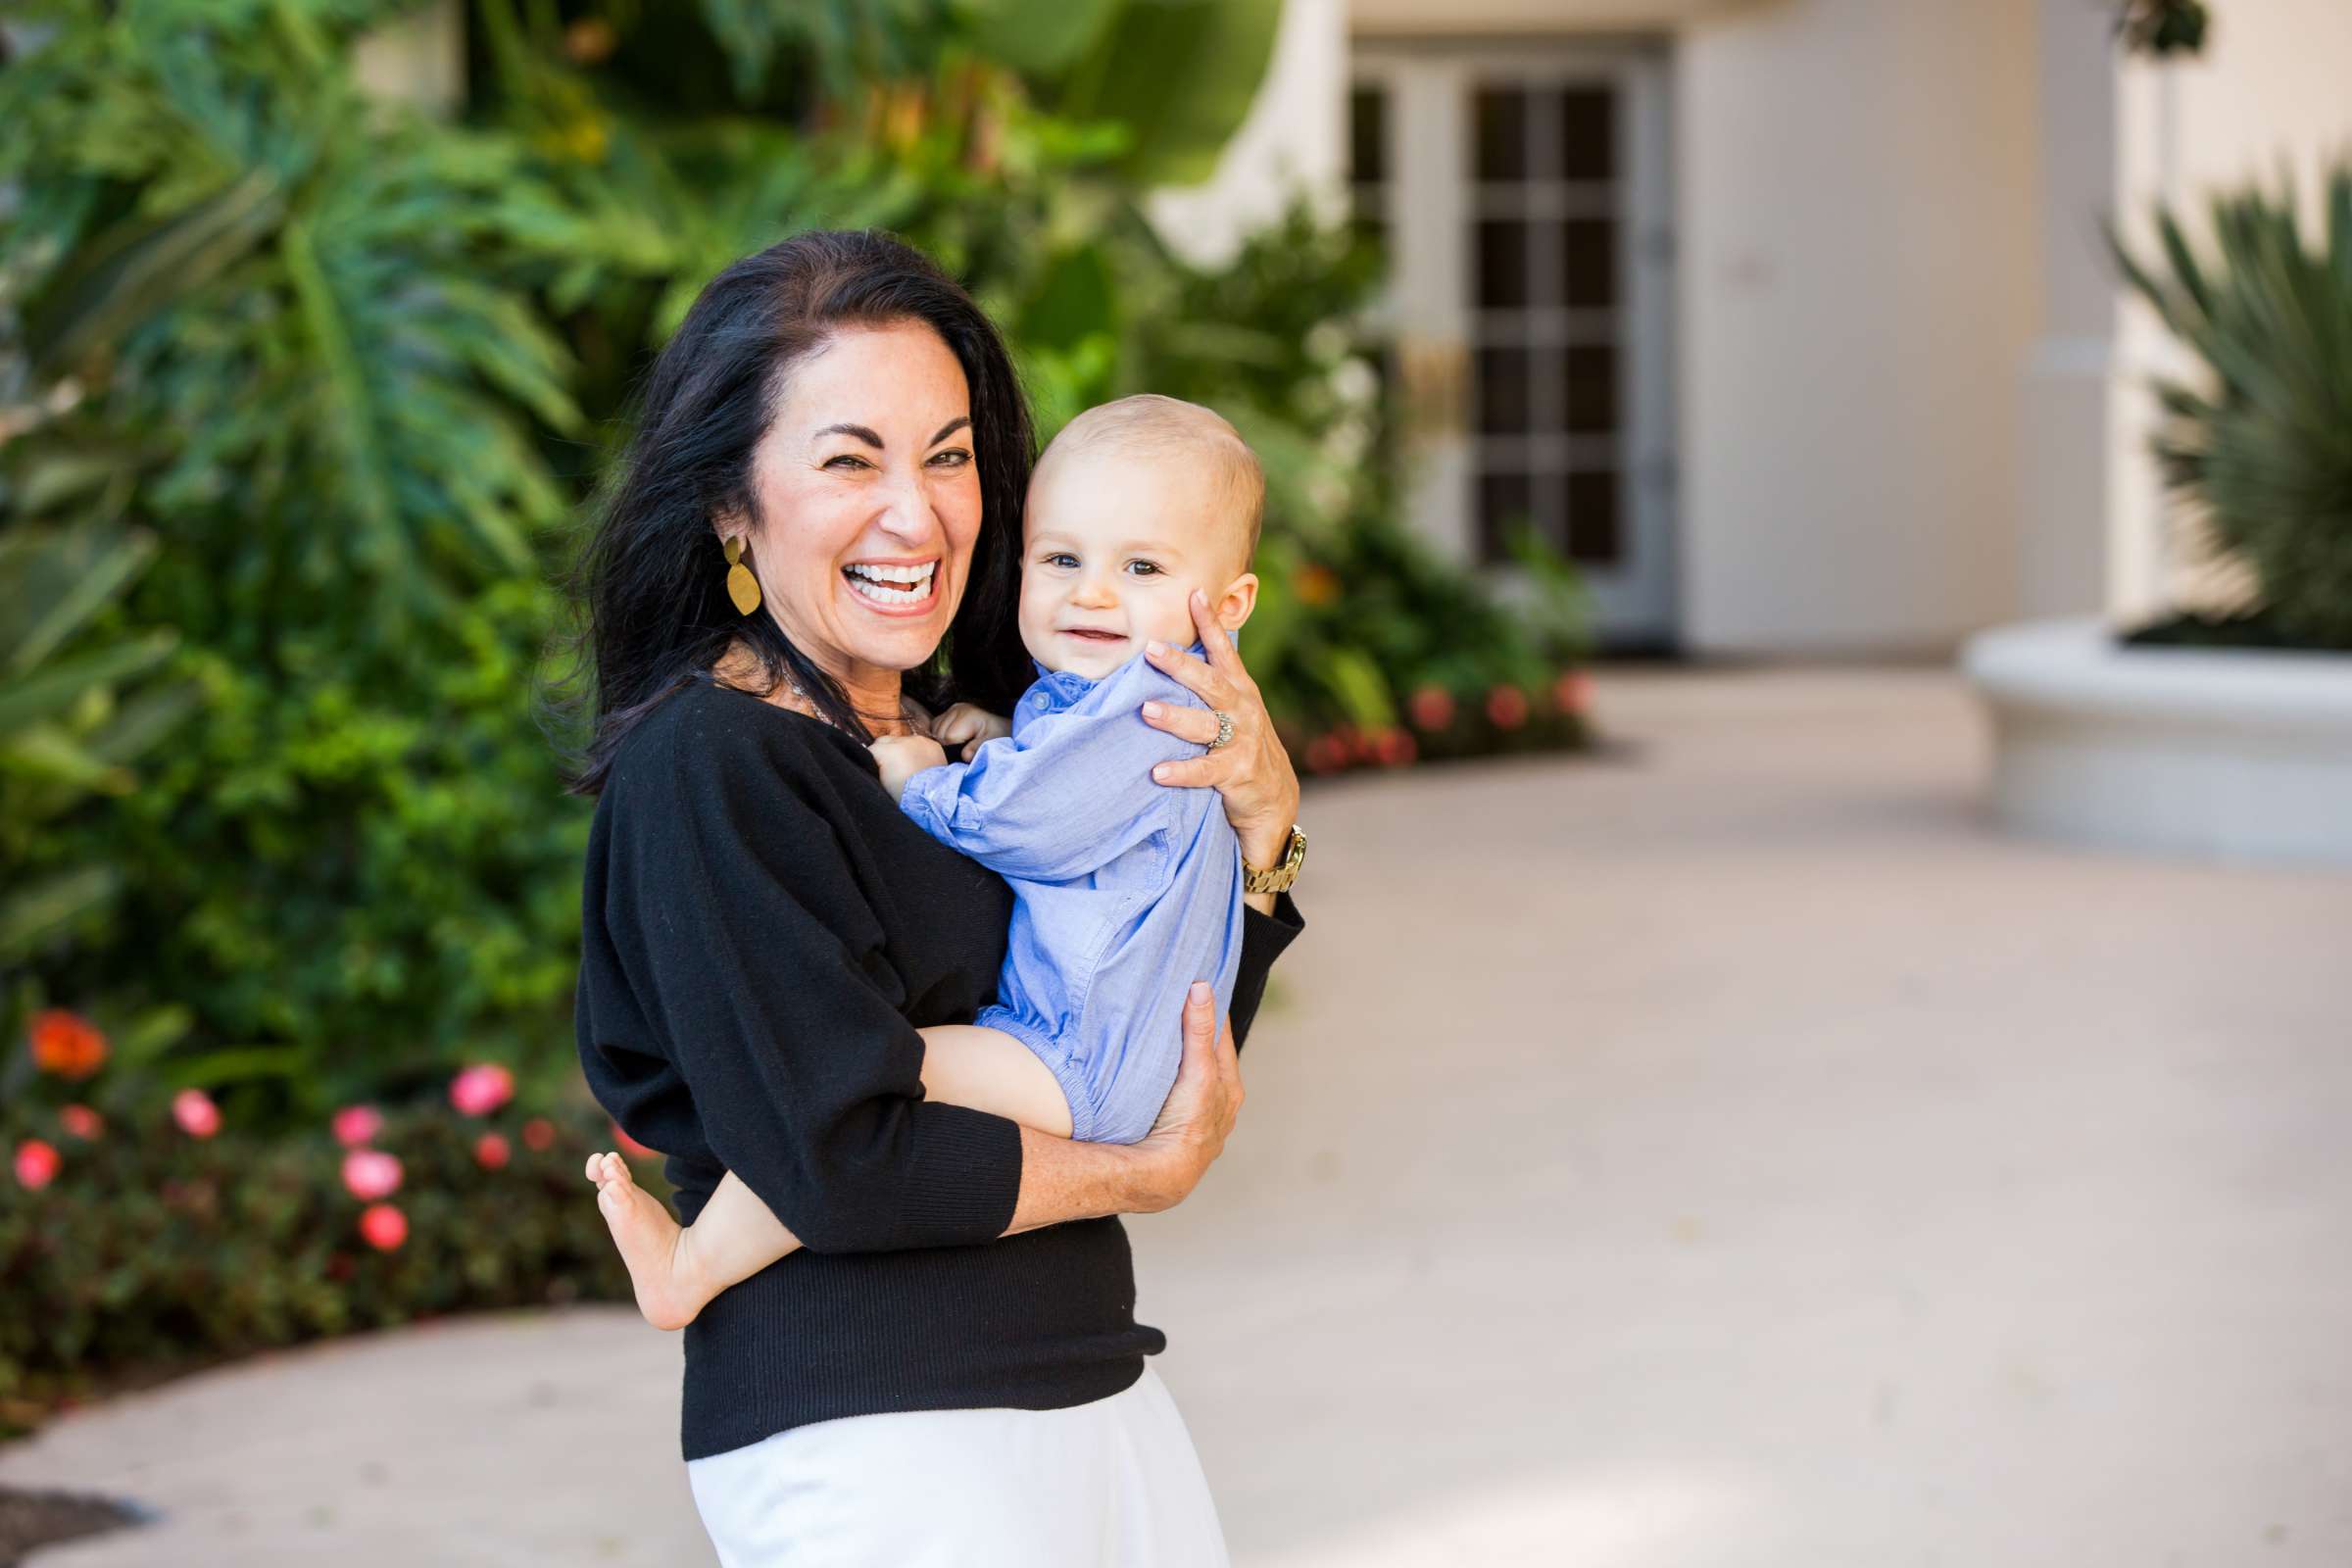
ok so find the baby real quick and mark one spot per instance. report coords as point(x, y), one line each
point(1124, 890)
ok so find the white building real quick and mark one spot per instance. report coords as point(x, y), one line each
point(1791, 319)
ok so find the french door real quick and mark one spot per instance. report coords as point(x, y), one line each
point(1524, 193)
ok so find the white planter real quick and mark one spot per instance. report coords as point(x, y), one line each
point(2242, 753)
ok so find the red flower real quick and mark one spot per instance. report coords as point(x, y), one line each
point(196, 1113)
point(338, 1266)
point(355, 1124)
point(1572, 693)
point(480, 1090)
point(66, 1044)
point(490, 1152)
point(1326, 754)
point(82, 1122)
point(538, 1133)
point(383, 1226)
point(1506, 706)
point(37, 1163)
point(1396, 747)
point(1432, 708)
point(370, 1174)
point(631, 1146)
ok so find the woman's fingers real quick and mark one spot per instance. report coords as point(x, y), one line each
point(1215, 638)
point(1194, 772)
point(1189, 672)
point(1195, 724)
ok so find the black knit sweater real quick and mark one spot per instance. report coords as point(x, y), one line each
point(763, 934)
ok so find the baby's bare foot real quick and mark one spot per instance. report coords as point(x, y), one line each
point(648, 1238)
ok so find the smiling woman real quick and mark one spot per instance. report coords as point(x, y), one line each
point(938, 1358)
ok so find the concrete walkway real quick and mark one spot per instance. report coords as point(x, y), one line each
point(1724, 1152)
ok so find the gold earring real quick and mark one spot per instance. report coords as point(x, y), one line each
point(742, 586)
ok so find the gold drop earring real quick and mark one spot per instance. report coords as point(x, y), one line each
point(742, 586)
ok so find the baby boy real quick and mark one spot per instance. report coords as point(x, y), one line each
point(1124, 890)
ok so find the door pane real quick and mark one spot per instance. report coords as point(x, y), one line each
point(1506, 391)
point(1498, 133)
point(1369, 135)
point(1588, 399)
point(1593, 535)
point(1588, 133)
point(1587, 262)
point(1506, 501)
point(1501, 264)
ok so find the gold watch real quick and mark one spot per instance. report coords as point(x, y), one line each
point(1278, 877)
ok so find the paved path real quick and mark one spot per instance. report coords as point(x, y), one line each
point(1722, 1154)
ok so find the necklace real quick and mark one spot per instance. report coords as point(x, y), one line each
point(911, 711)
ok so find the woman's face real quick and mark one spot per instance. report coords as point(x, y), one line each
point(868, 498)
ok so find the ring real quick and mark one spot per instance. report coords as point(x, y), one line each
point(1224, 729)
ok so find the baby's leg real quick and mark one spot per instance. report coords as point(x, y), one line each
point(676, 1271)
point(990, 1070)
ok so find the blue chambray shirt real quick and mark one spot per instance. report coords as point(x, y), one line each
point(1125, 891)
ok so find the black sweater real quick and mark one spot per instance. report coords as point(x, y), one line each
point(763, 934)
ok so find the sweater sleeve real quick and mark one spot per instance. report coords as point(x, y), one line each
point(1263, 939)
point(759, 964)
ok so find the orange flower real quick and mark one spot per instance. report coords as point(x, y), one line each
point(66, 1044)
point(1317, 585)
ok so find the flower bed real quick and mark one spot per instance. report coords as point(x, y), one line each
point(143, 1235)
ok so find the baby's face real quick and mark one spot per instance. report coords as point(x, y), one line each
point(1114, 546)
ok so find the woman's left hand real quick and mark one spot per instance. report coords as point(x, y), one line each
point(1251, 771)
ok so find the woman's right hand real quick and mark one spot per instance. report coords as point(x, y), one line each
point(1200, 1113)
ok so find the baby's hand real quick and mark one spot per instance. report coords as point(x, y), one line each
point(901, 757)
point(966, 725)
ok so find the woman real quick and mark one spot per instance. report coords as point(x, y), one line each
point(950, 1369)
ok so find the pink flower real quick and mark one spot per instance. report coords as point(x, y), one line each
point(1572, 693)
point(37, 1163)
point(196, 1113)
point(538, 1133)
point(383, 1226)
point(1506, 706)
point(631, 1146)
point(1432, 708)
point(356, 1124)
point(82, 1122)
point(490, 1152)
point(370, 1174)
point(480, 1090)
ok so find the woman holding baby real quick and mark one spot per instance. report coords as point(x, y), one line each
point(815, 544)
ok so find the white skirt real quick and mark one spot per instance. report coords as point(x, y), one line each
point(1114, 1484)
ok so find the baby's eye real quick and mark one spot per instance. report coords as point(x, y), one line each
point(1061, 559)
point(1143, 569)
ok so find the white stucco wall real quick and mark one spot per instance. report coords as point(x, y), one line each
point(1858, 291)
point(1294, 140)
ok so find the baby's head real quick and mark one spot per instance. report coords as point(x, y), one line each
point(1135, 505)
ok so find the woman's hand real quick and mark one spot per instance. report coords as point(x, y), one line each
point(1198, 1114)
point(964, 726)
point(1252, 772)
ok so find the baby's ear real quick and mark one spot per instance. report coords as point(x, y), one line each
point(1237, 600)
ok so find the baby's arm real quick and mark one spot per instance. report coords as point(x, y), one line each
point(676, 1271)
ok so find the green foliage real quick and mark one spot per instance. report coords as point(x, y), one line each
point(308, 380)
point(2162, 27)
point(2262, 446)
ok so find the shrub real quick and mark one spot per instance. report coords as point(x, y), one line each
point(2262, 449)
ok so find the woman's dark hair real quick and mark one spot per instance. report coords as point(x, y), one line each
point(649, 583)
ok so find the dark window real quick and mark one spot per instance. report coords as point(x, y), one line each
point(1589, 404)
point(1369, 135)
point(1506, 503)
point(1506, 391)
point(1501, 264)
point(1499, 115)
point(1587, 262)
point(1593, 529)
point(1588, 133)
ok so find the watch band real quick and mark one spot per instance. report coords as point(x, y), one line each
point(1278, 877)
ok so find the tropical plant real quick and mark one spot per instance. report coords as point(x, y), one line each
point(2260, 446)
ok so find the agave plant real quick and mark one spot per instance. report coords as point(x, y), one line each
point(2260, 444)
